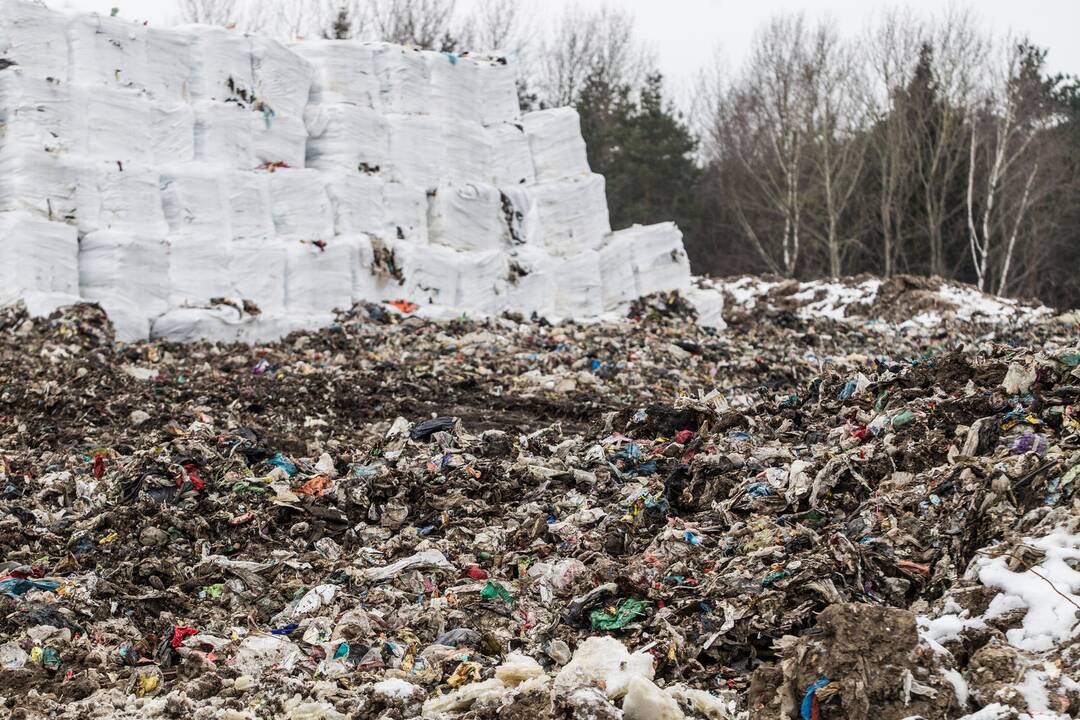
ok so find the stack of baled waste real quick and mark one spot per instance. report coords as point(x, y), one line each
point(200, 182)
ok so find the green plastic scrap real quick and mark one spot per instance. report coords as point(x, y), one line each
point(627, 610)
point(773, 577)
point(903, 420)
point(212, 591)
point(494, 590)
point(1070, 359)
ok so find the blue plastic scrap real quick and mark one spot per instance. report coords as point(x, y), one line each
point(808, 698)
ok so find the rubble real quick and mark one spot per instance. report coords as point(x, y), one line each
point(397, 517)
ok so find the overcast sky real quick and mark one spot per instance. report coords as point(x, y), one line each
point(686, 34)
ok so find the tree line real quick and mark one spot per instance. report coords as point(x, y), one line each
point(922, 145)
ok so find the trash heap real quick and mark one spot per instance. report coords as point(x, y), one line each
point(397, 517)
point(154, 171)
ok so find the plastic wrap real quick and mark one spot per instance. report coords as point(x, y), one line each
point(404, 79)
point(578, 290)
point(37, 255)
point(257, 272)
point(467, 217)
point(282, 78)
point(173, 133)
point(511, 156)
point(114, 124)
point(107, 51)
point(128, 201)
point(319, 278)
point(346, 137)
point(432, 274)
point(40, 182)
point(365, 284)
point(250, 217)
point(35, 38)
point(222, 68)
point(573, 213)
point(522, 216)
point(558, 150)
point(280, 140)
point(124, 265)
point(418, 149)
point(483, 286)
point(300, 205)
point(224, 135)
point(617, 274)
point(194, 203)
point(660, 262)
point(36, 113)
point(407, 211)
point(455, 87)
point(469, 152)
point(359, 203)
point(344, 72)
point(170, 64)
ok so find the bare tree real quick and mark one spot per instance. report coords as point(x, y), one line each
point(209, 12)
point(426, 24)
point(497, 25)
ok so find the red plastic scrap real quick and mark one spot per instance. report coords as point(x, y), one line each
point(179, 633)
point(315, 487)
point(476, 573)
point(99, 466)
point(683, 436)
point(404, 306)
point(192, 471)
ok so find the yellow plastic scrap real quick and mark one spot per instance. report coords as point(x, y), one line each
point(110, 538)
point(148, 683)
point(466, 672)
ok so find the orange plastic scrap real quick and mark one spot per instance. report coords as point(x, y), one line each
point(405, 306)
point(315, 487)
point(923, 570)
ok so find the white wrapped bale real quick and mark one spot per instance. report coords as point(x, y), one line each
point(418, 149)
point(432, 274)
point(128, 317)
point(521, 213)
point(37, 256)
point(499, 101)
point(198, 269)
point(127, 202)
point(359, 204)
point(34, 38)
point(257, 273)
point(170, 64)
point(319, 277)
point(558, 150)
point(228, 323)
point(455, 87)
point(467, 217)
point(573, 212)
point(107, 51)
point(43, 183)
point(222, 66)
point(173, 133)
point(404, 79)
point(660, 262)
point(511, 156)
point(282, 78)
point(407, 211)
point(344, 72)
point(35, 113)
point(300, 205)
point(617, 272)
point(533, 292)
point(347, 137)
point(579, 290)
point(485, 282)
point(365, 284)
point(469, 152)
point(224, 135)
point(115, 125)
point(124, 265)
point(194, 203)
point(250, 216)
point(280, 140)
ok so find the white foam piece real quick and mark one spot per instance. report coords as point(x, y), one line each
point(172, 133)
point(35, 38)
point(579, 292)
point(282, 79)
point(418, 149)
point(128, 201)
point(225, 135)
point(319, 279)
point(359, 204)
point(250, 216)
point(280, 140)
point(467, 217)
point(35, 112)
point(407, 210)
point(300, 205)
point(107, 51)
point(558, 150)
point(37, 181)
point(170, 64)
point(222, 64)
point(511, 156)
point(114, 124)
point(127, 266)
point(344, 72)
point(404, 79)
point(573, 213)
point(345, 137)
point(37, 255)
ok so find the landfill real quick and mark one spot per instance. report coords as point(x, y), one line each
point(815, 513)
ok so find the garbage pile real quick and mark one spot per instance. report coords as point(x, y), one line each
point(396, 517)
